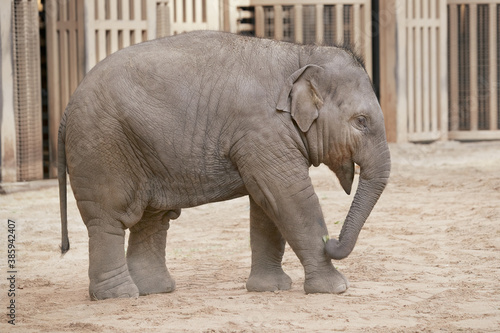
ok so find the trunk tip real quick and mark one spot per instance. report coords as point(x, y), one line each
point(335, 250)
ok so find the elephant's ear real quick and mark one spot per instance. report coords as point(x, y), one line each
point(300, 97)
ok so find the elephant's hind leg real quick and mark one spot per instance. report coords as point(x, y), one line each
point(268, 247)
point(108, 271)
point(146, 252)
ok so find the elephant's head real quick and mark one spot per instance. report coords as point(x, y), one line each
point(334, 106)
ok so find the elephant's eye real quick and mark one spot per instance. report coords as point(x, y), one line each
point(361, 123)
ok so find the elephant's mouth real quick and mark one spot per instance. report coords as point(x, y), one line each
point(345, 174)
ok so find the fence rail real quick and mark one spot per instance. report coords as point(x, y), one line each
point(474, 64)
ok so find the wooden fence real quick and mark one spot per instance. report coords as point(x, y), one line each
point(188, 15)
point(413, 60)
point(65, 62)
point(474, 69)
point(320, 21)
point(444, 70)
point(80, 33)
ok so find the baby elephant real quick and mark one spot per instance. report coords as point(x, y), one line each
point(209, 116)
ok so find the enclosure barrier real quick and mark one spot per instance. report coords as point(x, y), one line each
point(414, 71)
point(189, 15)
point(80, 33)
point(439, 59)
point(474, 69)
point(311, 22)
point(27, 91)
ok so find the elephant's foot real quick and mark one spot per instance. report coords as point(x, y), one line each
point(153, 281)
point(116, 286)
point(328, 281)
point(269, 281)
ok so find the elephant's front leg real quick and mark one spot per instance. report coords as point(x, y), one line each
point(290, 202)
point(146, 253)
point(268, 246)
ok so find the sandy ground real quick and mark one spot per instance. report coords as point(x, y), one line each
point(427, 260)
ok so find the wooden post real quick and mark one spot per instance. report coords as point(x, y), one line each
point(8, 165)
point(389, 98)
point(493, 66)
point(443, 73)
point(454, 107)
point(259, 21)
point(339, 23)
point(319, 24)
point(278, 22)
point(474, 107)
point(299, 30)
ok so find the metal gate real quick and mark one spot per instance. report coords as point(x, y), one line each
point(474, 70)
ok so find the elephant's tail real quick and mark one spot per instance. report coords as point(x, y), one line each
point(61, 175)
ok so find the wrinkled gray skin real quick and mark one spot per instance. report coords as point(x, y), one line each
point(207, 116)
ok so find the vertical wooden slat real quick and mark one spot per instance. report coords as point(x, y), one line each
point(90, 36)
point(63, 61)
point(73, 56)
point(278, 22)
point(474, 107)
point(189, 10)
point(493, 66)
point(101, 10)
point(151, 18)
point(367, 37)
point(52, 82)
point(137, 5)
point(418, 70)
point(339, 23)
point(357, 25)
point(125, 10)
point(299, 17)
point(453, 33)
point(402, 85)
point(426, 55)
point(126, 17)
point(319, 24)
point(410, 79)
point(259, 21)
point(433, 86)
point(80, 17)
point(113, 13)
point(198, 11)
point(101, 45)
point(443, 70)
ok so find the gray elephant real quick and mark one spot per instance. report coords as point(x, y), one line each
point(208, 116)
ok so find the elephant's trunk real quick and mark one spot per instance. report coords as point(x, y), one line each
point(371, 184)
